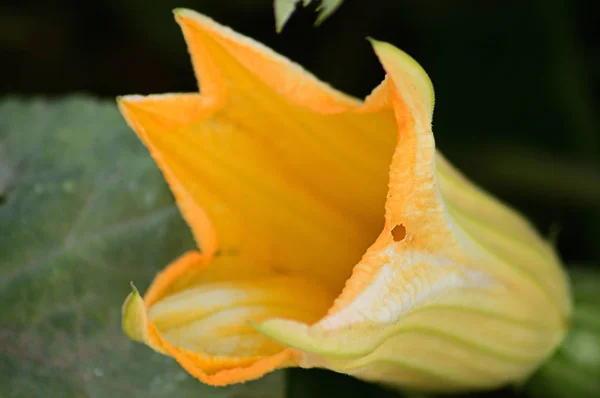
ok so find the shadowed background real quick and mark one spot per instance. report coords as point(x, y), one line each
point(517, 82)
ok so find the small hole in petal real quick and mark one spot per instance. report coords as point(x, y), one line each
point(399, 233)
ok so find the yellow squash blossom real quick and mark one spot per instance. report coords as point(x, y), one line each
point(332, 232)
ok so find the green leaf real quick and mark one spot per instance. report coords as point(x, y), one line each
point(84, 211)
point(285, 8)
point(327, 8)
point(283, 11)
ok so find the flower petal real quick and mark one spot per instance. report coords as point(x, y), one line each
point(211, 369)
point(284, 182)
point(439, 301)
point(269, 159)
point(134, 317)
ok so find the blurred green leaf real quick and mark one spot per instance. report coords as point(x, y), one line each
point(86, 212)
point(285, 8)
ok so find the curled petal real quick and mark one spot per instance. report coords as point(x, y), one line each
point(333, 232)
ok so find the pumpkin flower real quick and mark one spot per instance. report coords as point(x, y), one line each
point(333, 234)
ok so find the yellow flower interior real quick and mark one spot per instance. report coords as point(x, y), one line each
point(291, 198)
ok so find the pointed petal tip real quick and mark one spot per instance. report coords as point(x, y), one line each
point(387, 51)
point(404, 69)
point(127, 100)
point(125, 104)
point(133, 288)
point(296, 335)
point(372, 40)
point(133, 316)
point(119, 101)
point(285, 331)
point(183, 12)
point(308, 339)
point(178, 106)
point(183, 15)
point(204, 35)
point(187, 18)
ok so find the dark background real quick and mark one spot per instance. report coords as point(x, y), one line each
point(517, 81)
